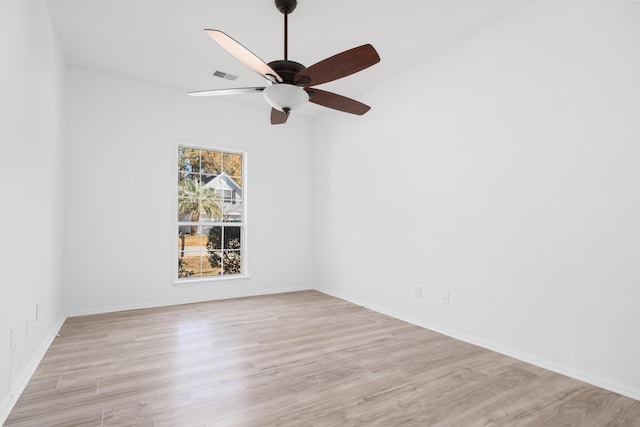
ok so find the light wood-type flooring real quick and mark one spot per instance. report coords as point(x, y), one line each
point(295, 359)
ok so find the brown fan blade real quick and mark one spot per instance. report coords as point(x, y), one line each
point(244, 55)
point(337, 102)
point(278, 117)
point(224, 92)
point(338, 66)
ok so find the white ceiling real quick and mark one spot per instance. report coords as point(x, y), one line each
point(162, 41)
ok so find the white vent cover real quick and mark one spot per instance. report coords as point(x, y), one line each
point(224, 75)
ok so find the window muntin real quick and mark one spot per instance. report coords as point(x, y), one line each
point(210, 213)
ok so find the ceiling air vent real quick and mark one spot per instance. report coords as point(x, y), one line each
point(224, 75)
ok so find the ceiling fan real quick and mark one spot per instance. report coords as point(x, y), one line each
point(290, 83)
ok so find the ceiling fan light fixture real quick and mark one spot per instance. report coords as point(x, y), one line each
point(285, 97)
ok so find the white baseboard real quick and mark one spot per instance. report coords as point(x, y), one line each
point(23, 379)
point(545, 364)
point(156, 304)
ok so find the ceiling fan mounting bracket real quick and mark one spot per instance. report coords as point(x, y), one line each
point(286, 6)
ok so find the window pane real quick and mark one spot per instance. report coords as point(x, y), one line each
point(237, 180)
point(233, 212)
point(188, 159)
point(214, 237)
point(214, 262)
point(232, 237)
point(211, 265)
point(208, 189)
point(211, 162)
point(232, 164)
point(189, 265)
point(188, 210)
point(183, 175)
point(193, 240)
point(232, 263)
point(210, 210)
point(209, 181)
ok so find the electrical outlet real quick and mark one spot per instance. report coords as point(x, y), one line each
point(37, 312)
point(418, 292)
point(444, 298)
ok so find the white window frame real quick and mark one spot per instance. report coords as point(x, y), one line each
point(207, 280)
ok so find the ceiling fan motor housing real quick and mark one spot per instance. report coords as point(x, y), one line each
point(286, 69)
point(286, 6)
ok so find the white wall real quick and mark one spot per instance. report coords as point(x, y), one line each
point(504, 171)
point(120, 156)
point(507, 177)
point(31, 108)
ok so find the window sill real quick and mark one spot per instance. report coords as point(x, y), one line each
point(208, 281)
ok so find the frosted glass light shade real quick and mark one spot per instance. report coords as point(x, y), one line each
point(285, 96)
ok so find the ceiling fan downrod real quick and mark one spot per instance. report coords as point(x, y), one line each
point(286, 7)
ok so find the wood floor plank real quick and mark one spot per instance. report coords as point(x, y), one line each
point(300, 359)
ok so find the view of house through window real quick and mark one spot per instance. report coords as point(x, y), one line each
point(210, 213)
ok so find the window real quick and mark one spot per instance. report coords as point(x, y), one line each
point(210, 215)
point(227, 196)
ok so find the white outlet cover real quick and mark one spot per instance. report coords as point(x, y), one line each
point(445, 298)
